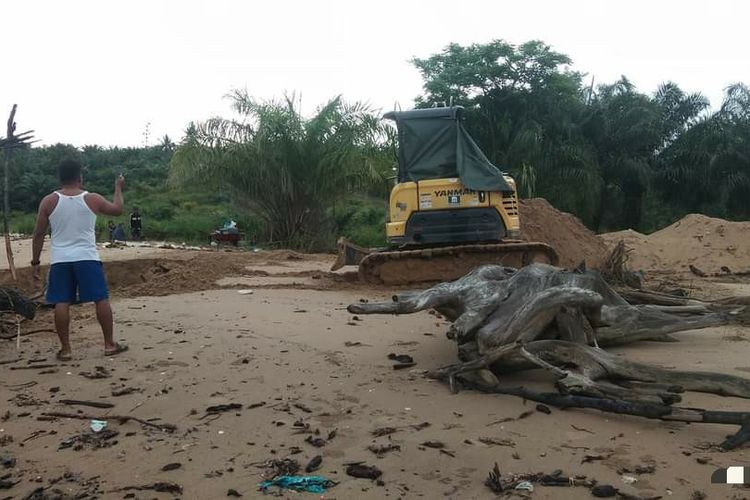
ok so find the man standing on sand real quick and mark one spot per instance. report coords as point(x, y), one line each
point(135, 224)
point(76, 270)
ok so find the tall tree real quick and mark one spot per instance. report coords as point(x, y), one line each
point(286, 168)
point(526, 109)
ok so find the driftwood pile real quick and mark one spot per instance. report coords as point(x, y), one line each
point(541, 316)
point(13, 302)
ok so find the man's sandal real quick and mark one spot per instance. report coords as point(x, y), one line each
point(117, 350)
point(64, 356)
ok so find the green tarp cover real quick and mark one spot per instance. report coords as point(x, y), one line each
point(433, 144)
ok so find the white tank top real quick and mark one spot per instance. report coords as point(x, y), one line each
point(73, 230)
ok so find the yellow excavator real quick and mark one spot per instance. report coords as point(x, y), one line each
point(450, 211)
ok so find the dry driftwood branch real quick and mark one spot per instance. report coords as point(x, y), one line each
point(120, 418)
point(647, 410)
point(545, 317)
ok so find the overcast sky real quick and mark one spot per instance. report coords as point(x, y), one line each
point(96, 72)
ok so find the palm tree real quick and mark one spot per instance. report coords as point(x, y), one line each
point(287, 169)
point(707, 168)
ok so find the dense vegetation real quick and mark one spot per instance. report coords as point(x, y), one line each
point(616, 157)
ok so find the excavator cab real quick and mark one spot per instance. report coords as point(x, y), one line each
point(450, 210)
point(448, 192)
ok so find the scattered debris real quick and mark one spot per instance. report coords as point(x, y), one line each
point(384, 431)
point(696, 271)
point(99, 372)
point(233, 493)
point(302, 407)
point(493, 481)
point(382, 449)
point(125, 391)
point(310, 484)
point(401, 358)
point(120, 418)
point(593, 458)
point(212, 410)
point(98, 425)
point(318, 442)
point(160, 487)
point(362, 471)
point(543, 409)
point(496, 442)
point(581, 429)
point(92, 404)
point(279, 467)
point(629, 479)
point(525, 485)
point(103, 439)
point(433, 444)
point(314, 464)
point(172, 466)
point(604, 491)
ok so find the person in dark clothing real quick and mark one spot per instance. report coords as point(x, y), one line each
point(135, 224)
point(119, 233)
point(111, 228)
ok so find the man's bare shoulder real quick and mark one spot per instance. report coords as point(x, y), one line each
point(49, 200)
point(94, 201)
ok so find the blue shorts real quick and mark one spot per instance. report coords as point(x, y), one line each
point(81, 281)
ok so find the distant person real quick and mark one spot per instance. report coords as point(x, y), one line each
point(119, 233)
point(76, 273)
point(111, 228)
point(135, 224)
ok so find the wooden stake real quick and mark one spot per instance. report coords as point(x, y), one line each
point(6, 193)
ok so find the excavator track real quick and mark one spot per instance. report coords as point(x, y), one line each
point(403, 267)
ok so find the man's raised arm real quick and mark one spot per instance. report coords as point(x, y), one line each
point(101, 205)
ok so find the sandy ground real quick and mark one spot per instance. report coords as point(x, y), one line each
point(290, 353)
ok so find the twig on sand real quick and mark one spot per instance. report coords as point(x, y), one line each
point(93, 404)
point(121, 418)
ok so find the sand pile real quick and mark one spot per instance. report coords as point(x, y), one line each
point(573, 241)
point(705, 242)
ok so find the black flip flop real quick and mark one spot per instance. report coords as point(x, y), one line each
point(117, 350)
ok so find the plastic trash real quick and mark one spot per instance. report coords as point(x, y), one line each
point(98, 425)
point(629, 479)
point(525, 485)
point(245, 292)
point(310, 484)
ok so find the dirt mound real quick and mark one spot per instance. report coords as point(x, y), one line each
point(702, 241)
point(573, 241)
point(190, 271)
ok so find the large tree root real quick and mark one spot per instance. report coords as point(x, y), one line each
point(544, 317)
